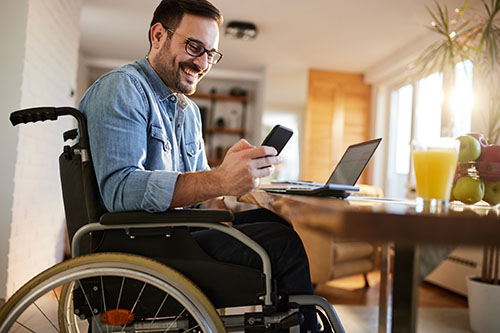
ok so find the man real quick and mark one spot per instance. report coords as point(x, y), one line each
point(147, 146)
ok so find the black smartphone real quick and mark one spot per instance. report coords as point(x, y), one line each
point(278, 137)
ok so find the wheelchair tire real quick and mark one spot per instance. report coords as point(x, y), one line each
point(198, 313)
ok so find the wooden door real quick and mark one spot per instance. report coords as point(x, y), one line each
point(337, 115)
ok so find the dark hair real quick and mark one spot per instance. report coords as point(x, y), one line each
point(170, 13)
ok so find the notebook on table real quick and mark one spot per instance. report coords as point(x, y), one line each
point(343, 178)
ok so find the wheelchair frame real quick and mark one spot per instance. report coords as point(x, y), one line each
point(269, 319)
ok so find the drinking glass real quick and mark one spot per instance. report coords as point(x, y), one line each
point(434, 161)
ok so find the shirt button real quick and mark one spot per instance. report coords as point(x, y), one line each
point(172, 99)
point(170, 118)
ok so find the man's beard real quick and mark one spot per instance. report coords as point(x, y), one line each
point(171, 73)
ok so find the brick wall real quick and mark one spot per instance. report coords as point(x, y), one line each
point(49, 78)
point(13, 18)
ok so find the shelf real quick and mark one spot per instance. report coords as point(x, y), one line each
point(221, 97)
point(223, 130)
point(219, 139)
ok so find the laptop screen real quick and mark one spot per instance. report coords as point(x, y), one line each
point(353, 162)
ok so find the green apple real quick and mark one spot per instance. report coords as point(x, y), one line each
point(492, 192)
point(468, 189)
point(470, 148)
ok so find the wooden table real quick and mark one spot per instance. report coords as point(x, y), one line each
point(384, 220)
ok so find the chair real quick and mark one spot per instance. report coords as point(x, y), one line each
point(118, 281)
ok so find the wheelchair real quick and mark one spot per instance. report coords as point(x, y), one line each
point(142, 272)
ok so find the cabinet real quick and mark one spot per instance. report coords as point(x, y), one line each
point(223, 120)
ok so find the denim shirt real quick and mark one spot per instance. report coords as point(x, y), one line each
point(142, 136)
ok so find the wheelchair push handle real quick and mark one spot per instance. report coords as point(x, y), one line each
point(33, 115)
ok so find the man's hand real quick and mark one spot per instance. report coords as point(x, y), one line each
point(243, 165)
point(238, 174)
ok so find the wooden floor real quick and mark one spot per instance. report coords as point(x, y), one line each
point(351, 291)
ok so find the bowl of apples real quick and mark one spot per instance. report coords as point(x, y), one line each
point(477, 176)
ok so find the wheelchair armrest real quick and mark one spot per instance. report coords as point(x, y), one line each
point(173, 216)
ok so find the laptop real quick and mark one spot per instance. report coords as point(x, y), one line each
point(343, 178)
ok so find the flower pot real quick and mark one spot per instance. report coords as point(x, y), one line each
point(484, 305)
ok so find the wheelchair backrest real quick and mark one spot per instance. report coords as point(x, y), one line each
point(80, 191)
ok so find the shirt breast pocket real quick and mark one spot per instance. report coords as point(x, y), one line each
point(160, 146)
point(194, 151)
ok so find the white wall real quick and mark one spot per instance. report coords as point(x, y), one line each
point(43, 73)
point(13, 17)
point(286, 88)
point(82, 78)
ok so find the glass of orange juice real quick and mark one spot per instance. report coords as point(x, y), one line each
point(434, 162)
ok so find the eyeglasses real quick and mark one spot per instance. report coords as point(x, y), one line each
point(196, 49)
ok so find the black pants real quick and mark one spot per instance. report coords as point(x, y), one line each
point(289, 264)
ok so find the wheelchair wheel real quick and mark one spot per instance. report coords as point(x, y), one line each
point(109, 292)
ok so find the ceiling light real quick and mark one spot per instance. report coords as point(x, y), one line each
point(241, 30)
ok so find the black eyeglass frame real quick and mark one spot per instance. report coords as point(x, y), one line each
point(212, 54)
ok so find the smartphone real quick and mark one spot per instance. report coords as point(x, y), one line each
point(278, 137)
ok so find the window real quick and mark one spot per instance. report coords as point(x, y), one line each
point(289, 169)
point(415, 111)
point(401, 107)
point(462, 99)
point(428, 107)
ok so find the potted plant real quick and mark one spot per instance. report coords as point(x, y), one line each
point(473, 34)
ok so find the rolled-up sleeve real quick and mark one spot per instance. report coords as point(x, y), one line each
point(117, 111)
point(159, 190)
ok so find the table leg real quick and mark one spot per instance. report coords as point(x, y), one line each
point(405, 288)
point(385, 295)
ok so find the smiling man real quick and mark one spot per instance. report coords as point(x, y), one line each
point(182, 71)
point(148, 151)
